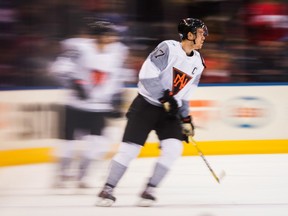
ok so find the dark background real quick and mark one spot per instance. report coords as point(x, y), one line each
point(247, 40)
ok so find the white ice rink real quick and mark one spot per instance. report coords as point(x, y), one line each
point(255, 185)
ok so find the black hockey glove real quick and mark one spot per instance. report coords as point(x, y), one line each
point(169, 103)
point(187, 128)
point(77, 85)
point(116, 103)
point(117, 100)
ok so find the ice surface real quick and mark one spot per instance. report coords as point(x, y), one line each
point(254, 185)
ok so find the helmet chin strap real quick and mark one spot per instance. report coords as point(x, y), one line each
point(194, 40)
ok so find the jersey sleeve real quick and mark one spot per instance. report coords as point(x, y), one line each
point(65, 66)
point(159, 56)
point(151, 70)
point(184, 109)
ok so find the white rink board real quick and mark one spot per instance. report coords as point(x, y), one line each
point(272, 102)
point(219, 113)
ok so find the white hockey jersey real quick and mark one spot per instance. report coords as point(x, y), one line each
point(168, 67)
point(99, 70)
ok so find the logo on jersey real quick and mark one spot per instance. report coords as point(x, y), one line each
point(98, 77)
point(180, 80)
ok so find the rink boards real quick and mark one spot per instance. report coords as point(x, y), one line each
point(229, 120)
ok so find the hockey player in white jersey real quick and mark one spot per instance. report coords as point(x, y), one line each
point(90, 67)
point(167, 81)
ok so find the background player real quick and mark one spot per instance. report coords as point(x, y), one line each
point(167, 80)
point(90, 67)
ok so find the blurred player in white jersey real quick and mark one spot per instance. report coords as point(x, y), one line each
point(91, 68)
point(167, 80)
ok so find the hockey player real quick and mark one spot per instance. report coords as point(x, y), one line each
point(167, 80)
point(90, 67)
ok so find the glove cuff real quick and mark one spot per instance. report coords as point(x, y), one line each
point(187, 119)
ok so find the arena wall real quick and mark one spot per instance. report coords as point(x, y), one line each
point(229, 120)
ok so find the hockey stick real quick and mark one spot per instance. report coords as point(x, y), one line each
point(222, 174)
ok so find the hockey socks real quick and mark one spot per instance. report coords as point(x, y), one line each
point(159, 173)
point(106, 195)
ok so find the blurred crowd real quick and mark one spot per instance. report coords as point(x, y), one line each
point(247, 38)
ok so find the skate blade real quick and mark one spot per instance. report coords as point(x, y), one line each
point(145, 203)
point(104, 202)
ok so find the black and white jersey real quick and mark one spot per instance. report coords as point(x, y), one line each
point(99, 70)
point(168, 67)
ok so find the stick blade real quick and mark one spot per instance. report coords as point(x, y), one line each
point(221, 176)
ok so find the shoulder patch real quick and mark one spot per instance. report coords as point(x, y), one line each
point(159, 56)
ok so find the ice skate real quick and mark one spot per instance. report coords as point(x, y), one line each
point(61, 181)
point(82, 185)
point(106, 198)
point(147, 199)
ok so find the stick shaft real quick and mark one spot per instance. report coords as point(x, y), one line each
point(191, 140)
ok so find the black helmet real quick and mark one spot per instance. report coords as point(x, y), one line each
point(102, 28)
point(190, 25)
